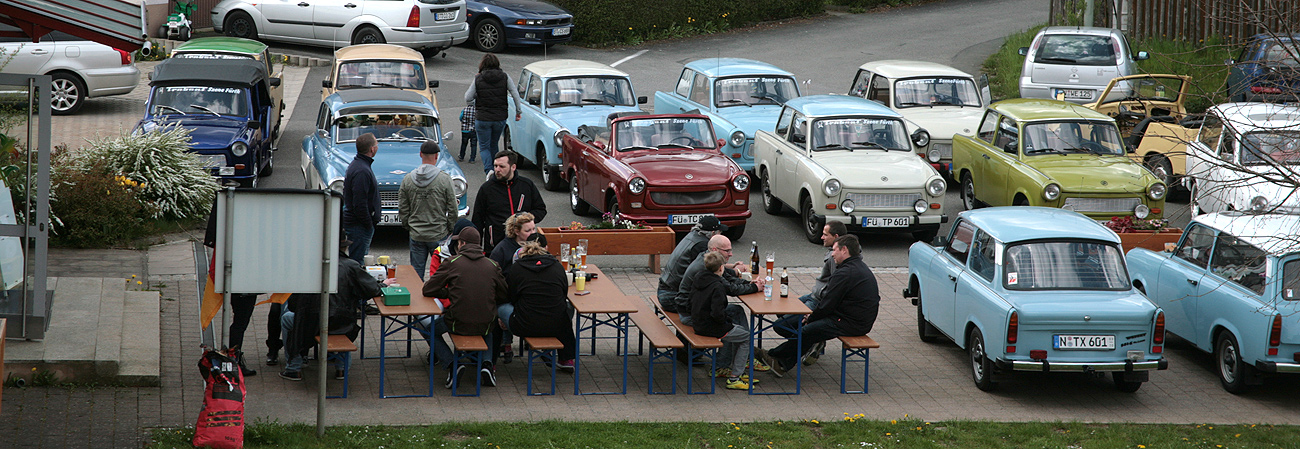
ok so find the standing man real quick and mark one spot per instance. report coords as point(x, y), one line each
point(427, 206)
point(694, 244)
point(488, 93)
point(474, 286)
point(361, 199)
point(504, 194)
point(849, 305)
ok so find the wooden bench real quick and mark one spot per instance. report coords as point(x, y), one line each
point(663, 343)
point(339, 349)
point(543, 349)
point(858, 346)
point(653, 242)
point(697, 345)
point(467, 350)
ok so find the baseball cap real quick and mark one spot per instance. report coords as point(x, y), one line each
point(538, 237)
point(429, 147)
point(711, 223)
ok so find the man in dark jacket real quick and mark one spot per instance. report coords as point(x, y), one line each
point(731, 280)
point(474, 286)
point(537, 303)
point(302, 322)
point(691, 246)
point(361, 210)
point(848, 306)
point(489, 93)
point(504, 195)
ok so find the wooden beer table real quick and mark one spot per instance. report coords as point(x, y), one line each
point(763, 315)
point(605, 300)
point(394, 319)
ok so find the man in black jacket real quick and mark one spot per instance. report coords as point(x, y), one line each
point(302, 322)
point(848, 306)
point(361, 210)
point(504, 195)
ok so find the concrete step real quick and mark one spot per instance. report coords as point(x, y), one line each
point(142, 342)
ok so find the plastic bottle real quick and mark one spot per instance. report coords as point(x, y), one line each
point(785, 283)
point(767, 288)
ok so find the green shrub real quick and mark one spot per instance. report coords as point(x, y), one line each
point(1003, 67)
point(172, 183)
point(613, 22)
point(97, 210)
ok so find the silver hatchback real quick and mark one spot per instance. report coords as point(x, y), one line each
point(1075, 64)
point(80, 68)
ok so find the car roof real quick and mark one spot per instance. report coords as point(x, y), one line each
point(719, 67)
point(222, 43)
point(1093, 31)
point(1249, 116)
point(571, 67)
point(827, 105)
point(241, 72)
point(1273, 233)
point(381, 100)
point(1009, 224)
point(377, 51)
point(1029, 109)
point(900, 68)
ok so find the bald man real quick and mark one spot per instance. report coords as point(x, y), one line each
point(730, 277)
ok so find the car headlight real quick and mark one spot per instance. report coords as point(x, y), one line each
point(921, 137)
point(847, 206)
point(1141, 211)
point(239, 148)
point(741, 182)
point(533, 22)
point(459, 186)
point(559, 137)
point(1051, 192)
point(1258, 204)
point(831, 187)
point(933, 155)
point(636, 186)
point(936, 187)
point(920, 206)
point(337, 185)
point(1157, 191)
point(737, 138)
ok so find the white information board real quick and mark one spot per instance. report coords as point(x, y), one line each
point(277, 241)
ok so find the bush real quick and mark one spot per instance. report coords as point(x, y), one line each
point(1203, 61)
point(172, 183)
point(1003, 67)
point(612, 22)
point(96, 210)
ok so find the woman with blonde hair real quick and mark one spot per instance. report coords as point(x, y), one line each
point(518, 227)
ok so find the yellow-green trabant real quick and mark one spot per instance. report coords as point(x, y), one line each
point(1054, 154)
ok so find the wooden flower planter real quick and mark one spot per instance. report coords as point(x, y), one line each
point(653, 242)
point(1152, 240)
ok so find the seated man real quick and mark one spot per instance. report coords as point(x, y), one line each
point(473, 285)
point(300, 322)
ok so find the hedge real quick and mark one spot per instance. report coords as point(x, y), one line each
point(612, 22)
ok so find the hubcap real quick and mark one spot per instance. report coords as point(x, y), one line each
point(977, 358)
point(968, 193)
point(1228, 363)
point(488, 36)
point(573, 191)
point(767, 192)
point(63, 95)
point(240, 27)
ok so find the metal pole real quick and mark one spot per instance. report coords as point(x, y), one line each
point(27, 206)
point(324, 315)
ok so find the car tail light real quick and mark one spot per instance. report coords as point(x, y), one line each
point(126, 56)
point(1038, 354)
point(1114, 45)
point(1158, 338)
point(1013, 328)
point(1275, 335)
point(413, 20)
point(1265, 90)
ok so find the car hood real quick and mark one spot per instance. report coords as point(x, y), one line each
point(395, 159)
point(944, 121)
point(860, 169)
point(1066, 306)
point(206, 132)
point(525, 6)
point(672, 167)
point(751, 119)
point(1093, 174)
point(571, 117)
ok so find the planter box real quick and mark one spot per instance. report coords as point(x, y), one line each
point(652, 242)
point(1152, 240)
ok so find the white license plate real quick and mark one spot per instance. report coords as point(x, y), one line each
point(561, 31)
point(685, 219)
point(1075, 94)
point(212, 160)
point(1083, 342)
point(441, 16)
point(389, 218)
point(886, 222)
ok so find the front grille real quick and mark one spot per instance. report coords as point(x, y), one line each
point(1101, 204)
point(883, 200)
point(388, 199)
point(559, 21)
point(687, 198)
point(945, 149)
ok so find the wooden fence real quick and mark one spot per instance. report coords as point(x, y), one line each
point(1191, 20)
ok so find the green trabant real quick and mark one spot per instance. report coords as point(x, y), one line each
point(1054, 154)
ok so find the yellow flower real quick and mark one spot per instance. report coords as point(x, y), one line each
point(139, 283)
point(893, 421)
point(1142, 446)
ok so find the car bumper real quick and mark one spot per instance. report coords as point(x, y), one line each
point(660, 218)
point(1033, 90)
point(918, 222)
point(434, 36)
point(1277, 367)
point(522, 36)
point(1048, 366)
point(114, 81)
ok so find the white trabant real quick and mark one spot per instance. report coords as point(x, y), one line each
point(1246, 157)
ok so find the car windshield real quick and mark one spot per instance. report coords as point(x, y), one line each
point(1095, 137)
point(365, 74)
point(916, 92)
point(1075, 49)
point(1157, 89)
point(1069, 265)
point(612, 91)
point(1271, 147)
point(1282, 53)
point(386, 127)
point(752, 90)
point(859, 132)
point(200, 100)
point(660, 133)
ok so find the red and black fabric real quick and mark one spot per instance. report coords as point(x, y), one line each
point(221, 421)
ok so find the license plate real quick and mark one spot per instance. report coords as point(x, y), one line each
point(449, 15)
point(685, 219)
point(1074, 94)
point(389, 218)
point(212, 160)
point(561, 31)
point(886, 222)
point(1083, 342)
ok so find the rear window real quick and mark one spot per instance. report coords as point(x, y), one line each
point(1070, 49)
point(1070, 265)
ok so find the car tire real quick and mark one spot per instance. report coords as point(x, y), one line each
point(771, 205)
point(812, 228)
point(67, 93)
point(270, 165)
point(550, 173)
point(968, 200)
point(1125, 386)
point(490, 35)
point(576, 203)
point(240, 24)
point(505, 137)
point(1162, 169)
point(611, 208)
point(735, 232)
point(981, 366)
point(924, 329)
point(1232, 371)
point(368, 35)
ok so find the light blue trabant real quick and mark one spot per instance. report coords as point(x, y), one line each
point(402, 120)
point(740, 97)
point(1035, 289)
point(559, 96)
point(1232, 288)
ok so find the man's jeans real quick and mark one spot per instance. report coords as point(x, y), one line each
point(360, 237)
point(489, 133)
point(420, 253)
point(815, 332)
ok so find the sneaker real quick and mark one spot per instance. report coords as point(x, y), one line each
point(813, 354)
point(453, 374)
point(725, 373)
point(762, 355)
point(507, 354)
point(761, 367)
point(566, 365)
point(339, 373)
point(291, 375)
point(371, 309)
point(736, 383)
point(489, 176)
point(489, 380)
point(273, 358)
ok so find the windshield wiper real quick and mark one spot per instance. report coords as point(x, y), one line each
point(672, 145)
point(947, 103)
point(637, 147)
point(767, 97)
point(910, 103)
point(598, 100)
point(178, 111)
point(733, 100)
point(1044, 150)
point(1065, 60)
point(376, 83)
point(204, 109)
point(871, 145)
point(561, 103)
point(832, 146)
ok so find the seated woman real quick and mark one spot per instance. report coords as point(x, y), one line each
point(538, 302)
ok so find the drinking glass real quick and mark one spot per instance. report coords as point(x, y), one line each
point(564, 256)
point(582, 253)
point(771, 262)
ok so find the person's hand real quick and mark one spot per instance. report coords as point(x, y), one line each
point(390, 281)
point(740, 267)
point(519, 116)
point(759, 282)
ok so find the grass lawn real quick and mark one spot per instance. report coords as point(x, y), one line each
point(851, 432)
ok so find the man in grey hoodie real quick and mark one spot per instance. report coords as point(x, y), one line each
point(427, 206)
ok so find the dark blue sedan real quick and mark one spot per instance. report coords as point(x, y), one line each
point(494, 24)
point(1266, 70)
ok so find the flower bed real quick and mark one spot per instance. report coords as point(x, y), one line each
point(1150, 234)
point(650, 241)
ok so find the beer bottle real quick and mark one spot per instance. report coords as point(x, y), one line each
point(785, 284)
point(753, 258)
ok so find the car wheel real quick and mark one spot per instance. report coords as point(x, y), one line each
point(270, 165)
point(505, 136)
point(576, 204)
point(240, 24)
point(550, 173)
point(968, 200)
point(1161, 168)
point(923, 327)
point(1020, 201)
point(611, 208)
point(1193, 196)
point(1126, 386)
point(490, 36)
point(981, 366)
point(771, 205)
point(1227, 356)
point(67, 93)
point(735, 232)
point(368, 35)
point(812, 228)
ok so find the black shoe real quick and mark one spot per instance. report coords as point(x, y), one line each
point(273, 358)
point(507, 354)
point(460, 369)
point(291, 375)
point(489, 379)
point(339, 373)
point(243, 367)
point(371, 309)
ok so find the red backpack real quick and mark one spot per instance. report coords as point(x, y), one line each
point(221, 421)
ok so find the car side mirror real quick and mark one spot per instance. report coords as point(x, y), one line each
point(1010, 147)
point(535, 101)
point(446, 135)
point(722, 143)
point(433, 84)
point(323, 134)
point(326, 84)
point(598, 145)
point(254, 125)
point(642, 99)
point(274, 82)
point(1130, 149)
point(1142, 56)
point(1023, 51)
point(939, 241)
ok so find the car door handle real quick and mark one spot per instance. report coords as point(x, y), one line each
point(779, 152)
point(350, 5)
point(952, 278)
point(985, 156)
point(39, 51)
point(1193, 282)
point(304, 4)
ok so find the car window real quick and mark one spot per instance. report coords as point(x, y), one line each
point(368, 74)
point(524, 78)
point(1075, 49)
point(200, 100)
point(988, 126)
point(534, 90)
point(799, 133)
point(1291, 280)
point(700, 89)
point(640, 134)
point(1239, 262)
point(783, 123)
point(1210, 131)
point(859, 132)
point(684, 83)
point(385, 127)
point(752, 90)
point(1196, 244)
point(1072, 265)
point(1095, 137)
point(582, 91)
point(937, 91)
point(1270, 148)
point(983, 257)
point(323, 116)
point(1280, 53)
point(959, 244)
point(879, 90)
point(1007, 134)
point(860, 84)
